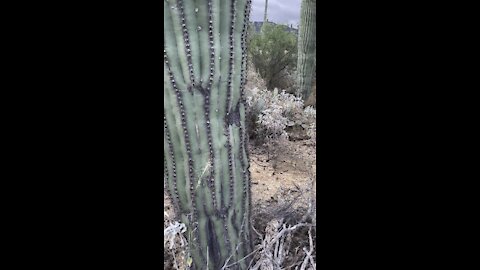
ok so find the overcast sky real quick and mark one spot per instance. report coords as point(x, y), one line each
point(279, 11)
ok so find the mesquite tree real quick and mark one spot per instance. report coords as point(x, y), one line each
point(272, 52)
point(306, 48)
point(206, 159)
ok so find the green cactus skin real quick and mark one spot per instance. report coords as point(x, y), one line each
point(306, 48)
point(206, 161)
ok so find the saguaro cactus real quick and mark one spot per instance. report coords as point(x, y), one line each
point(206, 160)
point(265, 13)
point(306, 48)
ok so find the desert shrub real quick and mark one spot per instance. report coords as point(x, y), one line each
point(271, 113)
point(254, 79)
point(273, 52)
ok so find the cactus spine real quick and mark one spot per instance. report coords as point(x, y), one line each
point(306, 48)
point(206, 159)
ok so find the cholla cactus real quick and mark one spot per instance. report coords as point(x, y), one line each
point(206, 160)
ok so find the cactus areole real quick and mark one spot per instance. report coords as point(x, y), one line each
point(205, 150)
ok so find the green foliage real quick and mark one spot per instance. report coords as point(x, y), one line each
point(273, 51)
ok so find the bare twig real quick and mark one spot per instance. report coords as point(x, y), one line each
point(308, 253)
point(274, 249)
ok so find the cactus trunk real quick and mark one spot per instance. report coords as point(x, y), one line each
point(306, 48)
point(265, 13)
point(205, 149)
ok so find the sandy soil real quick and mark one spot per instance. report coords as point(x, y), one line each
point(290, 168)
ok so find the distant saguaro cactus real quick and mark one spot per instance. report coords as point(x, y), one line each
point(306, 48)
point(205, 152)
point(265, 18)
